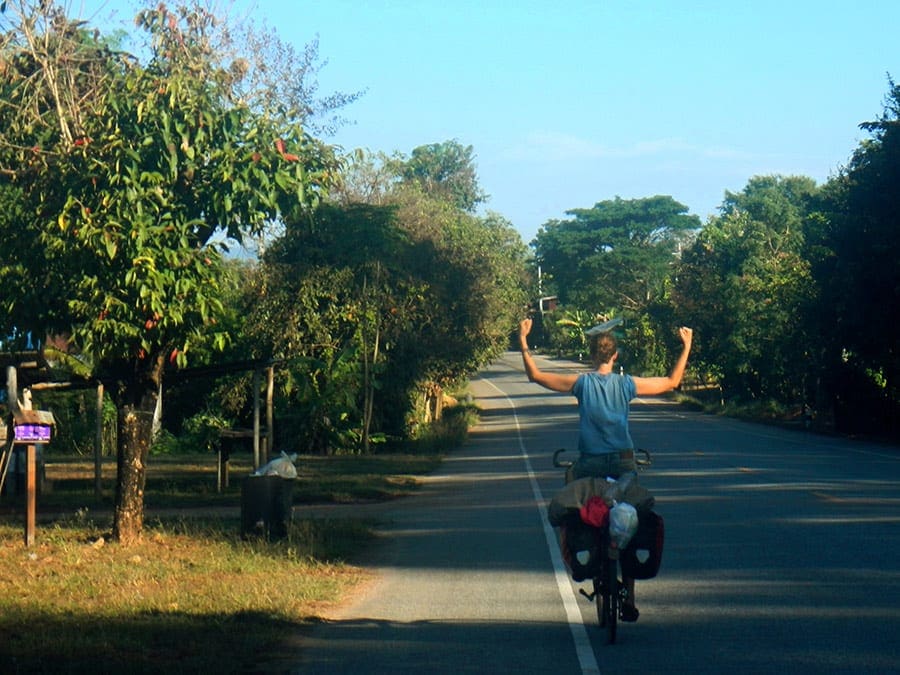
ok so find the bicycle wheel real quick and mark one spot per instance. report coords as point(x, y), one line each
point(610, 597)
point(599, 598)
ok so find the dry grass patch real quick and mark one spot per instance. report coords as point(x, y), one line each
point(191, 597)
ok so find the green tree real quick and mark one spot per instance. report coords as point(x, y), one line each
point(619, 256)
point(444, 169)
point(746, 286)
point(618, 253)
point(473, 269)
point(860, 275)
point(332, 300)
point(405, 284)
point(130, 173)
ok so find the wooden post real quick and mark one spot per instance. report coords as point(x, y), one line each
point(256, 385)
point(270, 392)
point(229, 440)
point(98, 447)
point(29, 427)
point(222, 471)
point(30, 493)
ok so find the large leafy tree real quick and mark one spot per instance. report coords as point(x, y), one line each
point(617, 254)
point(473, 268)
point(617, 258)
point(860, 275)
point(331, 299)
point(391, 292)
point(129, 172)
point(472, 273)
point(746, 286)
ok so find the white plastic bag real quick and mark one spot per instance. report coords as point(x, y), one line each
point(623, 523)
point(280, 466)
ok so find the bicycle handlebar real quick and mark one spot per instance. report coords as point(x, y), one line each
point(648, 458)
point(559, 463)
point(566, 463)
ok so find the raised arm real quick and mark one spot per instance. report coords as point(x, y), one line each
point(650, 386)
point(553, 381)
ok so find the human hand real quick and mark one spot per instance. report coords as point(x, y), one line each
point(525, 327)
point(686, 334)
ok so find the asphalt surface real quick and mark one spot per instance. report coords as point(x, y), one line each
point(782, 554)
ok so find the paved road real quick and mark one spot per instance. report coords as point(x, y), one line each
point(782, 554)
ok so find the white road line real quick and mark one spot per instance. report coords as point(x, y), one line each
point(583, 648)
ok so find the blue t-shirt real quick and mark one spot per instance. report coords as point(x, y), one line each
point(603, 403)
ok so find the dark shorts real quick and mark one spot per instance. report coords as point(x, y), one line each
point(606, 465)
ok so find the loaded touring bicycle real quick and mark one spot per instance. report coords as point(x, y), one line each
point(608, 531)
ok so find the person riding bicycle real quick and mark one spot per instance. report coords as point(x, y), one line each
point(604, 440)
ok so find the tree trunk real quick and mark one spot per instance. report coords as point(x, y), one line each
point(434, 402)
point(136, 409)
point(438, 393)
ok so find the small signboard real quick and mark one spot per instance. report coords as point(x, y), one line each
point(33, 426)
point(32, 433)
point(548, 304)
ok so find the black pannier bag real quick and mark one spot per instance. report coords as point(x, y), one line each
point(643, 555)
point(580, 546)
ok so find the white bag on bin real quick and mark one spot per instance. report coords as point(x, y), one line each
point(623, 523)
point(280, 466)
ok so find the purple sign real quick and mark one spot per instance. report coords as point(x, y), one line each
point(32, 433)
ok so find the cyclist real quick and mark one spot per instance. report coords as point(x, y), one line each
point(604, 397)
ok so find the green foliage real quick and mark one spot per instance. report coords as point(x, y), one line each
point(444, 434)
point(649, 345)
point(565, 330)
point(619, 253)
point(165, 443)
point(446, 169)
point(200, 432)
point(203, 429)
point(374, 303)
point(132, 190)
point(859, 273)
point(332, 312)
point(129, 175)
point(746, 287)
point(75, 416)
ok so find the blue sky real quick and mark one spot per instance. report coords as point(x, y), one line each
point(571, 103)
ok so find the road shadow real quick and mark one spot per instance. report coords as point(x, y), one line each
point(378, 646)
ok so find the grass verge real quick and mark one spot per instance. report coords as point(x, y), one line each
point(193, 596)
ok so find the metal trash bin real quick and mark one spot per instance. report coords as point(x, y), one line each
point(267, 506)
